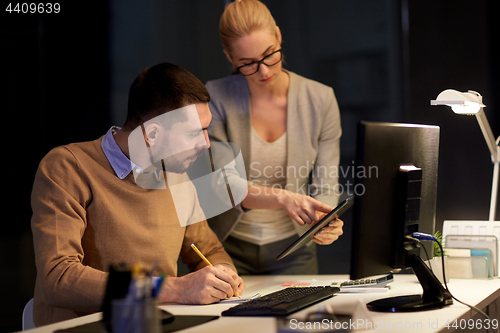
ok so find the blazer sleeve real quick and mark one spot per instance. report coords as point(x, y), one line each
point(235, 174)
point(58, 199)
point(217, 129)
point(325, 175)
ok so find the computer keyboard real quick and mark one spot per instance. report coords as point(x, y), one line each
point(282, 302)
point(380, 282)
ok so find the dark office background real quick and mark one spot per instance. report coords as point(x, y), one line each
point(65, 79)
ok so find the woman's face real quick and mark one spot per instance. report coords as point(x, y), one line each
point(254, 47)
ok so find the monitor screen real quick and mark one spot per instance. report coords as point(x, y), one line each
point(396, 186)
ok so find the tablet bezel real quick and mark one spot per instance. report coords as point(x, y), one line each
point(309, 234)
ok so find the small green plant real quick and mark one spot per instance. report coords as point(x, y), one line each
point(437, 250)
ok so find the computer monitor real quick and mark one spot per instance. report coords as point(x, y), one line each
point(395, 186)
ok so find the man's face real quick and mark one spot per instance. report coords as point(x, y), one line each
point(184, 142)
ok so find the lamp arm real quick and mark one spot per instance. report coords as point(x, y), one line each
point(494, 192)
point(488, 134)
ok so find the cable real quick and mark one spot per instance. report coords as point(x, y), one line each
point(421, 236)
point(425, 250)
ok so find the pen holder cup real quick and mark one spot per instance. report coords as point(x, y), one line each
point(135, 316)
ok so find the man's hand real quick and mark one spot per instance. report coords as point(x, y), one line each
point(205, 286)
point(237, 283)
point(302, 208)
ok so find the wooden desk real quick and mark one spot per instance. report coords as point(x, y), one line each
point(484, 294)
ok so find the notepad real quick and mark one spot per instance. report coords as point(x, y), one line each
point(296, 284)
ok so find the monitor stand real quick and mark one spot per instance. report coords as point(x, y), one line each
point(433, 297)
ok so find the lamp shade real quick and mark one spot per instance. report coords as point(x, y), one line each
point(461, 102)
point(471, 102)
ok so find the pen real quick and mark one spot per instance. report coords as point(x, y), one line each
point(206, 261)
point(157, 288)
point(133, 286)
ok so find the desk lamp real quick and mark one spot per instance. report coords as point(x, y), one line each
point(471, 103)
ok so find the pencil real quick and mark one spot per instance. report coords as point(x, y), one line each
point(198, 252)
point(201, 255)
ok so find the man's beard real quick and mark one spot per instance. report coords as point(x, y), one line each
point(177, 163)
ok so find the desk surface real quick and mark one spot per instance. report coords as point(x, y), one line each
point(481, 293)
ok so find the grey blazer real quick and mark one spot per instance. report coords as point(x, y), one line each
point(313, 136)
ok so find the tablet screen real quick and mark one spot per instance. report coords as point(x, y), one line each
point(309, 234)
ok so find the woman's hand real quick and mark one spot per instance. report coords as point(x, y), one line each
point(330, 233)
point(302, 209)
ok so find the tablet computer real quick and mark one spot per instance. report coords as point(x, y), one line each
point(309, 234)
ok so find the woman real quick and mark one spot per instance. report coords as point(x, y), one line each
point(288, 129)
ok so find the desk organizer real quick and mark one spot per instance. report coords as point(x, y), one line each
point(482, 238)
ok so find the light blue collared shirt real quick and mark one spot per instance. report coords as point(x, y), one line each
point(119, 162)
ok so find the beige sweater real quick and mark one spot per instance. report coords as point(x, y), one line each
point(85, 218)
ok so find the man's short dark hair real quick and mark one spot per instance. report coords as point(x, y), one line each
point(162, 88)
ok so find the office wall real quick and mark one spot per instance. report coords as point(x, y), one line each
point(451, 45)
point(55, 90)
point(66, 79)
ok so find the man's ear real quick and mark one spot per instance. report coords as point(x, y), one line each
point(151, 133)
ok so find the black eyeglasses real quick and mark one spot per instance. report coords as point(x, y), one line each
point(269, 60)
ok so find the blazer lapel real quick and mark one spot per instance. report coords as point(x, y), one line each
point(241, 127)
point(295, 129)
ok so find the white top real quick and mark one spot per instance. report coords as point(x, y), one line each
point(267, 168)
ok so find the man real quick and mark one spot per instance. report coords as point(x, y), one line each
point(89, 212)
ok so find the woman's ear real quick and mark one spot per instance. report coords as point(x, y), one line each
point(278, 34)
point(228, 56)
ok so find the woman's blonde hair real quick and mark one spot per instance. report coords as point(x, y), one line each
point(241, 18)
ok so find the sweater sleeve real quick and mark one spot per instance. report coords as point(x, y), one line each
point(328, 153)
point(207, 242)
point(198, 232)
point(58, 200)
